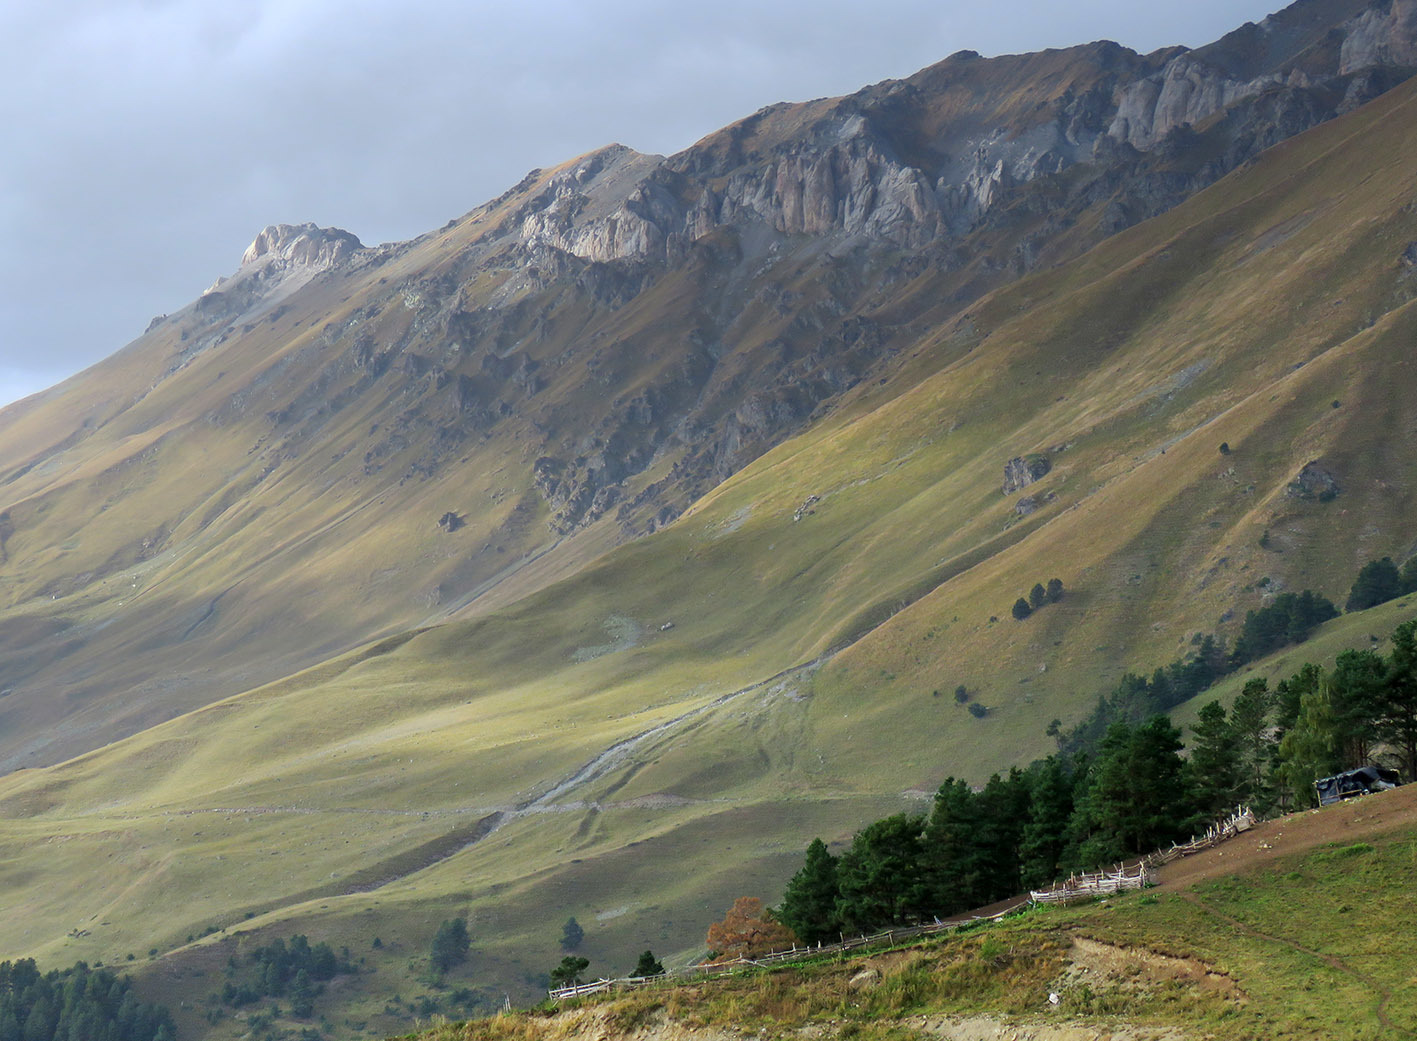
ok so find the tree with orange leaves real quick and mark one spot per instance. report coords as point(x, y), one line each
point(747, 931)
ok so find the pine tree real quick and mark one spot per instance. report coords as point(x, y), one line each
point(1407, 577)
point(1045, 832)
point(1356, 687)
point(1002, 809)
point(302, 996)
point(648, 966)
point(1214, 762)
point(1396, 711)
point(571, 934)
point(947, 848)
point(1249, 724)
point(1037, 596)
point(1310, 749)
point(1021, 610)
point(809, 905)
point(882, 875)
point(450, 945)
point(568, 973)
point(1136, 798)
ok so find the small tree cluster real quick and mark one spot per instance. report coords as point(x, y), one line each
point(1038, 596)
point(1289, 618)
point(647, 966)
point(296, 969)
point(1379, 581)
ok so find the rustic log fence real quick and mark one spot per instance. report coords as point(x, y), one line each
point(1090, 884)
point(1139, 875)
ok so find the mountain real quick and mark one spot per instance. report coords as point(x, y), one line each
point(591, 554)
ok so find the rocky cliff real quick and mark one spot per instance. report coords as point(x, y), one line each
point(908, 162)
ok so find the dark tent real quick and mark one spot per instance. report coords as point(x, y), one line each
point(1359, 781)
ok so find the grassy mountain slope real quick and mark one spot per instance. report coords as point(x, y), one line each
point(338, 444)
point(559, 753)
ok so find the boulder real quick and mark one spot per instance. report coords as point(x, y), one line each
point(1021, 471)
point(1313, 482)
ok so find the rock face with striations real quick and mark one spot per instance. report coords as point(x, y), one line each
point(908, 162)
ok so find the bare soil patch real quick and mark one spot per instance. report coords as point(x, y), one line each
point(1355, 820)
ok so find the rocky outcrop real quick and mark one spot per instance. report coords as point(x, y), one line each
point(1385, 34)
point(1021, 471)
point(301, 245)
point(281, 259)
point(1315, 481)
point(1182, 94)
point(1293, 49)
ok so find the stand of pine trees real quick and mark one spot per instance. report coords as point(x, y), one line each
point(1021, 829)
point(77, 1004)
point(1130, 793)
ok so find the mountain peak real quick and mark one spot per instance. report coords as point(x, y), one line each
point(305, 245)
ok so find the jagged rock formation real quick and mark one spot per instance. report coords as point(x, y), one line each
point(280, 260)
point(302, 245)
point(883, 165)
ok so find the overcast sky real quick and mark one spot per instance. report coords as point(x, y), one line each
point(148, 141)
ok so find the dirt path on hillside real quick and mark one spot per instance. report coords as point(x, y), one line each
point(1354, 820)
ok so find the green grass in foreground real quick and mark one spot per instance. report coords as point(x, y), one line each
point(1314, 946)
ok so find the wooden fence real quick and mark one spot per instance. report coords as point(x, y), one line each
point(1093, 883)
point(706, 970)
point(1138, 875)
point(1241, 820)
point(1090, 884)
